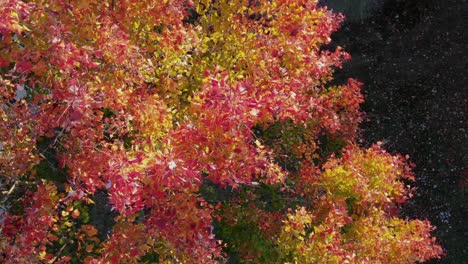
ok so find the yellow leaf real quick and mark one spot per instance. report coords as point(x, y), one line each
point(42, 254)
point(89, 201)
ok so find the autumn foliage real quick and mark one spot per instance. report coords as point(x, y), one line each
point(209, 127)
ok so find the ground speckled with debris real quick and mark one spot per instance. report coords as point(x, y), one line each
point(412, 56)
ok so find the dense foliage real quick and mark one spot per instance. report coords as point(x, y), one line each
point(209, 128)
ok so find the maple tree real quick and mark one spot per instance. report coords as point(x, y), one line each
point(210, 126)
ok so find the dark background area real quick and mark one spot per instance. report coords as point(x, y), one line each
point(412, 57)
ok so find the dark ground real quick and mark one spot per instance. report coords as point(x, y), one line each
point(412, 56)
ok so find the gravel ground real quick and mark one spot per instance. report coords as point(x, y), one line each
point(412, 57)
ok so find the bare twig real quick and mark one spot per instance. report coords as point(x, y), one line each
point(58, 254)
point(8, 193)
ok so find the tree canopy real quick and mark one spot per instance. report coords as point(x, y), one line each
point(209, 130)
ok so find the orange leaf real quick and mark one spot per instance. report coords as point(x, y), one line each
point(89, 230)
